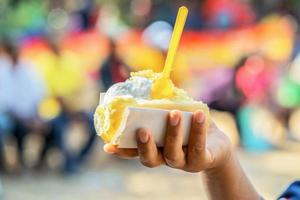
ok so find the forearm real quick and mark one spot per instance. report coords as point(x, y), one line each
point(229, 182)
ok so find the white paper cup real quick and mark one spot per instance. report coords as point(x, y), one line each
point(154, 120)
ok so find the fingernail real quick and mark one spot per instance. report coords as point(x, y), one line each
point(108, 149)
point(174, 118)
point(143, 136)
point(199, 117)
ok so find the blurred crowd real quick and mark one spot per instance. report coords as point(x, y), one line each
point(24, 90)
point(240, 57)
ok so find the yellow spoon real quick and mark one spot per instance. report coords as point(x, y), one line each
point(163, 87)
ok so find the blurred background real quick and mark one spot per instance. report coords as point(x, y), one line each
point(241, 57)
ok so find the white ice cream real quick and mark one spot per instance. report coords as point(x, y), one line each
point(137, 87)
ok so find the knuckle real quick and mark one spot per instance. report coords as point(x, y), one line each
point(148, 163)
point(193, 169)
point(142, 150)
point(173, 133)
point(172, 163)
point(172, 139)
point(196, 149)
point(172, 160)
point(169, 156)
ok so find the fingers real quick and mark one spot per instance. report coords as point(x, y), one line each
point(124, 153)
point(147, 150)
point(173, 153)
point(197, 139)
point(190, 158)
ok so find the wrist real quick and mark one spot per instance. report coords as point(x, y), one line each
point(228, 181)
point(221, 167)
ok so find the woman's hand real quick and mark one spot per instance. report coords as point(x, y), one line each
point(208, 148)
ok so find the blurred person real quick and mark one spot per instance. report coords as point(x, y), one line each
point(208, 151)
point(255, 78)
point(5, 121)
point(223, 95)
point(113, 70)
point(227, 13)
point(56, 137)
point(259, 116)
point(288, 96)
point(140, 12)
point(85, 12)
point(21, 91)
point(245, 92)
point(195, 19)
point(296, 49)
point(163, 11)
point(65, 82)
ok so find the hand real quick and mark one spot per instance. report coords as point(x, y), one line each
point(208, 148)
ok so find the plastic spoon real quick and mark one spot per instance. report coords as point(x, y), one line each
point(162, 87)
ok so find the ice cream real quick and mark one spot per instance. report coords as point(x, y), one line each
point(138, 92)
point(144, 100)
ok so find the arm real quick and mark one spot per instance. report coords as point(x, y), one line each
point(229, 182)
point(208, 151)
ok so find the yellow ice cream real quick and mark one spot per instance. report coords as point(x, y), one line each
point(138, 91)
